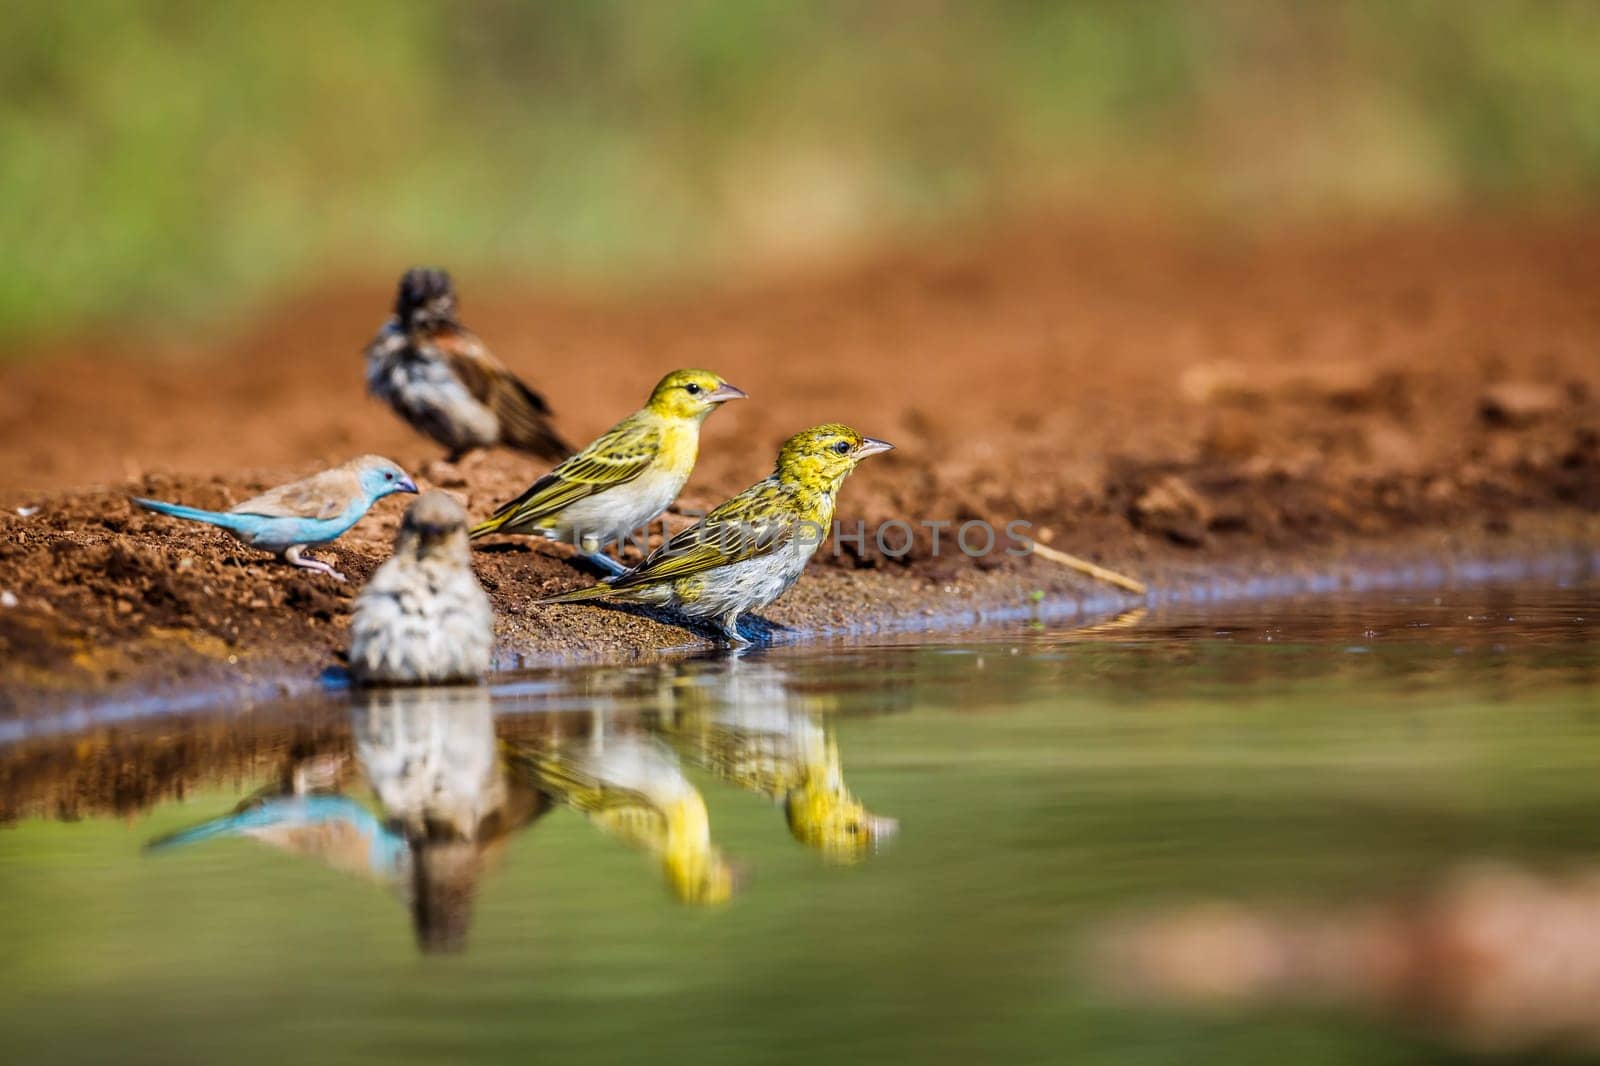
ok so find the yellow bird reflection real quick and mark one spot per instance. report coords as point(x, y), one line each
point(632, 787)
point(747, 725)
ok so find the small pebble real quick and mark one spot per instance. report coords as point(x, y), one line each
point(8, 598)
point(1172, 507)
point(1519, 403)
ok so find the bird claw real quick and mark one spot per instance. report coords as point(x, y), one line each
point(607, 565)
point(294, 557)
point(730, 633)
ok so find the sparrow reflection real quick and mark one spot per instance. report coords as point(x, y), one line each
point(447, 806)
point(431, 758)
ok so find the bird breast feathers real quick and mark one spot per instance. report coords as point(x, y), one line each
point(679, 443)
point(448, 581)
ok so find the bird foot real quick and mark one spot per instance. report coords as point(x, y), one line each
point(296, 556)
point(605, 563)
point(730, 633)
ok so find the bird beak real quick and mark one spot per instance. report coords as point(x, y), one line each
point(725, 392)
point(883, 829)
point(872, 446)
point(405, 484)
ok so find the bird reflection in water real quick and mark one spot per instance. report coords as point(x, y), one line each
point(450, 793)
point(447, 806)
point(749, 725)
point(631, 786)
point(304, 814)
point(432, 760)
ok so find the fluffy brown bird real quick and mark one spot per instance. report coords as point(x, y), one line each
point(423, 618)
point(440, 378)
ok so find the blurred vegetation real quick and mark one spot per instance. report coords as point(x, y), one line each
point(175, 157)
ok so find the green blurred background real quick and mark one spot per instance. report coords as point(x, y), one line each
point(175, 160)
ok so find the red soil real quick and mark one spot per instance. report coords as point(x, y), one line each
point(1160, 399)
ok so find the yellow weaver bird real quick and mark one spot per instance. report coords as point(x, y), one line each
point(626, 478)
point(748, 551)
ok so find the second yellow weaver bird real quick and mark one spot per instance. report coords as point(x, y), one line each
point(626, 478)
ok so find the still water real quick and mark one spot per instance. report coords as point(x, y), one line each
point(845, 853)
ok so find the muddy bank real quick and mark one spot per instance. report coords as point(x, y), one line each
point(281, 653)
point(1178, 404)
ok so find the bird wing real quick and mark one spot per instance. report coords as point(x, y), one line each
point(618, 456)
point(388, 340)
point(320, 496)
point(524, 416)
point(757, 522)
point(577, 785)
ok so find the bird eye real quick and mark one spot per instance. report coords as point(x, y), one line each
point(842, 448)
point(388, 477)
point(692, 389)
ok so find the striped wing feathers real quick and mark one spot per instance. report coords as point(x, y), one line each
point(619, 456)
point(757, 522)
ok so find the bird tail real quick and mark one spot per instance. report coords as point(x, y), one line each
point(525, 424)
point(541, 440)
point(588, 592)
point(265, 810)
point(217, 827)
point(490, 524)
point(193, 514)
point(521, 515)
